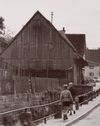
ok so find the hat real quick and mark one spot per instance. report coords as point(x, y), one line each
point(65, 85)
point(71, 83)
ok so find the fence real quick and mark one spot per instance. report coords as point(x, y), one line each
point(43, 112)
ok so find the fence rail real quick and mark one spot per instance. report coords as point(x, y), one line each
point(50, 112)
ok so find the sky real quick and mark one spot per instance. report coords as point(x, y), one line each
point(77, 16)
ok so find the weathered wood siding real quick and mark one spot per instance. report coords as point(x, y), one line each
point(38, 46)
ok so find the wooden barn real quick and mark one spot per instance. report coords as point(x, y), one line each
point(40, 58)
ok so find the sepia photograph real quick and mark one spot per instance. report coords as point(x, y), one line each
point(49, 63)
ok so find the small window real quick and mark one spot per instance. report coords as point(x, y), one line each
point(91, 74)
point(91, 67)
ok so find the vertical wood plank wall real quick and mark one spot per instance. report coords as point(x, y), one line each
point(38, 46)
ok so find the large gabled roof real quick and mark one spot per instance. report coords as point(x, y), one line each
point(49, 23)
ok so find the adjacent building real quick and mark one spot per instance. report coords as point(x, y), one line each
point(79, 42)
point(93, 69)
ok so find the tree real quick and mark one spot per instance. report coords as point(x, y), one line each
point(5, 34)
point(2, 26)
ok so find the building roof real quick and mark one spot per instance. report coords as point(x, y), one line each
point(93, 55)
point(78, 41)
point(63, 36)
point(92, 63)
point(65, 39)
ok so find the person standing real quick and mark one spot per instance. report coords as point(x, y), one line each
point(66, 100)
point(73, 92)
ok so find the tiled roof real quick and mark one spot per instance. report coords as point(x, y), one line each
point(78, 41)
point(93, 55)
point(68, 41)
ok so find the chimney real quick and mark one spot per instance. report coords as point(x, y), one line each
point(64, 29)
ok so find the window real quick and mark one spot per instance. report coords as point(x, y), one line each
point(91, 67)
point(91, 74)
